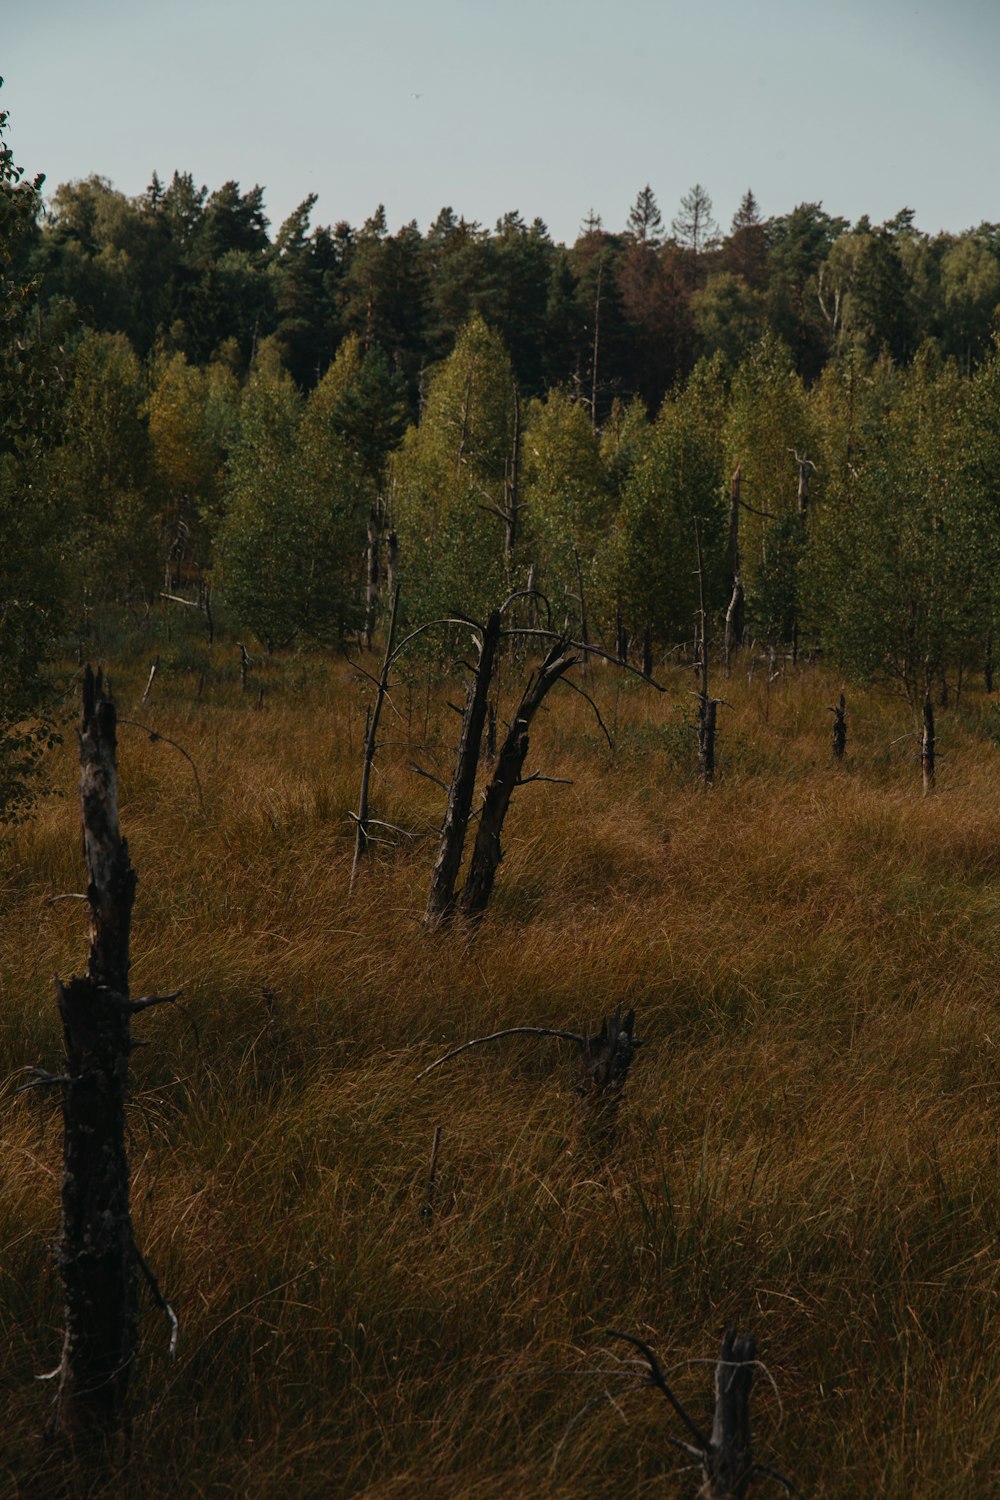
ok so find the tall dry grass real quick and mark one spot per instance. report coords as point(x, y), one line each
point(808, 1145)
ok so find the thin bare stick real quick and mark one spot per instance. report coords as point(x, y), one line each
point(149, 1000)
point(429, 775)
point(657, 1379)
point(154, 735)
point(568, 681)
point(562, 1036)
point(160, 1300)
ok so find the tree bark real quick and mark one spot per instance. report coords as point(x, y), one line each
point(371, 744)
point(487, 853)
point(441, 898)
point(839, 728)
point(928, 748)
point(605, 1061)
point(728, 1464)
point(96, 1253)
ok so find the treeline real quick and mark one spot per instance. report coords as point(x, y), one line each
point(619, 313)
point(294, 426)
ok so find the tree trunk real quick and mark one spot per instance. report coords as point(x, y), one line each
point(371, 744)
point(839, 728)
point(372, 569)
point(441, 898)
point(487, 853)
point(96, 1254)
point(728, 1464)
point(928, 748)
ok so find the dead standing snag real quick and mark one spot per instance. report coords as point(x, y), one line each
point(97, 1256)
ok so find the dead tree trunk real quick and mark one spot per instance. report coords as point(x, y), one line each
point(374, 543)
point(391, 561)
point(487, 853)
point(928, 748)
point(96, 1253)
point(244, 666)
point(441, 899)
point(839, 728)
point(371, 744)
point(728, 1464)
point(583, 612)
point(707, 707)
point(735, 612)
point(988, 665)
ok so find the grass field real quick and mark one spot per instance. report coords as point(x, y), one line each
point(808, 1146)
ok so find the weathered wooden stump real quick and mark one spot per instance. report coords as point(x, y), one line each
point(605, 1061)
point(728, 1464)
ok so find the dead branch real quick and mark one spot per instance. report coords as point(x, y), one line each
point(479, 1041)
point(154, 736)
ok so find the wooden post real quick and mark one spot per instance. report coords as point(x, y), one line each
point(441, 898)
point(928, 748)
point(487, 853)
point(96, 1252)
point(371, 744)
point(728, 1465)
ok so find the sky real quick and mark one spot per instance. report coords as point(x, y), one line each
point(553, 108)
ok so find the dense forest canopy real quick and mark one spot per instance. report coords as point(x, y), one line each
point(296, 420)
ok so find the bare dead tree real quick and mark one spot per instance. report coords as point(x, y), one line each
point(839, 728)
point(725, 1456)
point(735, 613)
point(707, 707)
point(244, 666)
point(361, 817)
point(928, 748)
point(372, 569)
point(97, 1256)
point(507, 776)
point(441, 898)
point(583, 611)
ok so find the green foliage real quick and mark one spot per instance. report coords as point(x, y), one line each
point(451, 479)
point(567, 496)
point(31, 571)
point(652, 556)
point(902, 565)
point(101, 471)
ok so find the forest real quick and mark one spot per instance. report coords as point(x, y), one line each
point(650, 584)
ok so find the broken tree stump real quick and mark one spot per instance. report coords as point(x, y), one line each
point(728, 1464)
point(605, 1061)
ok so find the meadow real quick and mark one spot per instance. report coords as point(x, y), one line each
point(807, 1147)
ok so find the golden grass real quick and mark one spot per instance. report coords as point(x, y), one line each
point(808, 1145)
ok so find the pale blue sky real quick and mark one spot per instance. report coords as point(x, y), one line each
point(552, 107)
